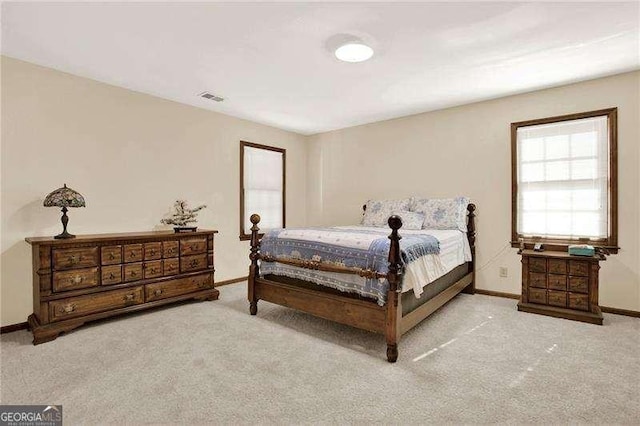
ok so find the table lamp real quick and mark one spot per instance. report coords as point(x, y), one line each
point(64, 197)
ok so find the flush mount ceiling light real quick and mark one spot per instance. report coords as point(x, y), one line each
point(354, 52)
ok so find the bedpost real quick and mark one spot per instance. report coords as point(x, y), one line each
point(471, 236)
point(394, 303)
point(254, 269)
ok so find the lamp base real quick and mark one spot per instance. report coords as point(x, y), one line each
point(64, 236)
point(65, 220)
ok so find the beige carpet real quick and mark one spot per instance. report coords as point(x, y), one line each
point(477, 360)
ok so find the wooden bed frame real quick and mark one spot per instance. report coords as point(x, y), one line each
point(351, 309)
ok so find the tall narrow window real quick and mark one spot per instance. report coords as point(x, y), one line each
point(262, 186)
point(564, 179)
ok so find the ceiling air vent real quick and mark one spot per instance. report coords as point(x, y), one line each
point(211, 97)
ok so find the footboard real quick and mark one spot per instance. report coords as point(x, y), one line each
point(363, 314)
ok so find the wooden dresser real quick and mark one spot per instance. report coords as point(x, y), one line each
point(557, 284)
point(97, 276)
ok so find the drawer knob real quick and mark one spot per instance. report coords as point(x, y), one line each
point(111, 256)
point(170, 251)
point(111, 276)
point(67, 309)
point(152, 252)
point(153, 270)
point(77, 279)
point(129, 297)
point(132, 254)
point(73, 259)
point(194, 262)
point(133, 273)
point(158, 292)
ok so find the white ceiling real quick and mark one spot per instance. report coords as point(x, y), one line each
point(272, 64)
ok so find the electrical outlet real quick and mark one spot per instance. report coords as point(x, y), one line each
point(503, 271)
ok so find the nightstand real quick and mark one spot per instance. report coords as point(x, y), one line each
point(557, 284)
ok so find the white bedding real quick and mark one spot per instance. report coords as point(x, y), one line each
point(454, 251)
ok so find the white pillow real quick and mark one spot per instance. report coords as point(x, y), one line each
point(378, 211)
point(446, 213)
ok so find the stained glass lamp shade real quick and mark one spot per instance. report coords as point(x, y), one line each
point(64, 197)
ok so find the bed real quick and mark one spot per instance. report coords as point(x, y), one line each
point(389, 299)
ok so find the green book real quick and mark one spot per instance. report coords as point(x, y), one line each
point(581, 250)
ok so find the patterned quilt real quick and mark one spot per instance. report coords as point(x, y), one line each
point(347, 246)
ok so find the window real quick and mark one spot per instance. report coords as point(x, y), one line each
point(262, 187)
point(564, 180)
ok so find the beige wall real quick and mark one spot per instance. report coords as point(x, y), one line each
point(466, 150)
point(131, 155)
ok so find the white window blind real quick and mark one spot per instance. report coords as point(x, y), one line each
point(263, 187)
point(563, 179)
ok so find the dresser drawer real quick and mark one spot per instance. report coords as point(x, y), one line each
point(93, 303)
point(557, 282)
point(132, 253)
point(537, 295)
point(111, 274)
point(152, 251)
point(579, 284)
point(153, 269)
point(132, 272)
point(111, 255)
point(177, 287)
point(557, 298)
point(579, 301)
point(170, 249)
point(537, 264)
point(171, 266)
point(579, 268)
point(190, 246)
point(69, 258)
point(74, 279)
point(193, 263)
point(537, 280)
point(557, 266)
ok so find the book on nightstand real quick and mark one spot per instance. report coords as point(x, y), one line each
point(581, 250)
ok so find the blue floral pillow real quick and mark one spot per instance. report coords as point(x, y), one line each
point(447, 213)
point(411, 220)
point(378, 211)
